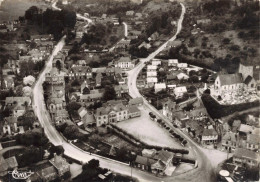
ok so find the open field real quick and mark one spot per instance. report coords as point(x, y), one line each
point(12, 9)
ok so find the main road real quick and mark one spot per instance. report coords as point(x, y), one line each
point(75, 153)
point(204, 171)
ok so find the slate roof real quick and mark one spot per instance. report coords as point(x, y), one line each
point(244, 153)
point(230, 79)
point(133, 109)
point(106, 110)
point(209, 132)
point(144, 160)
point(136, 101)
point(163, 156)
point(124, 59)
point(253, 139)
point(8, 163)
point(230, 136)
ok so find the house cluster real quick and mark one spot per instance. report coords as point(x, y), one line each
point(55, 89)
point(115, 111)
point(9, 26)
point(157, 162)
point(111, 111)
point(55, 168)
point(167, 75)
point(192, 117)
point(17, 107)
point(242, 139)
point(240, 87)
point(39, 49)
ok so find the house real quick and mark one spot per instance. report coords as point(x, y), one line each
point(163, 162)
point(250, 83)
point(182, 76)
point(138, 15)
point(122, 45)
point(173, 62)
point(60, 164)
point(8, 164)
point(151, 68)
point(151, 73)
point(245, 129)
point(111, 114)
point(156, 62)
point(112, 71)
point(250, 75)
point(86, 117)
point(10, 125)
point(246, 157)
point(154, 36)
point(228, 83)
point(48, 174)
point(36, 55)
point(84, 87)
point(39, 38)
point(145, 45)
point(209, 136)
point(159, 87)
point(179, 91)
point(253, 142)
point(136, 101)
point(121, 90)
point(58, 60)
point(92, 97)
point(203, 21)
point(18, 105)
point(55, 104)
point(144, 163)
point(151, 81)
point(125, 63)
point(230, 141)
point(130, 13)
point(55, 77)
point(133, 112)
point(8, 82)
point(182, 65)
point(236, 125)
point(80, 72)
point(98, 79)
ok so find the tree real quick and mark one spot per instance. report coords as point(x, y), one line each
point(109, 93)
point(226, 40)
point(194, 79)
point(58, 65)
point(56, 149)
point(31, 13)
point(71, 132)
point(29, 156)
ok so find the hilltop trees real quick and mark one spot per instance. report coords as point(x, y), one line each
point(55, 21)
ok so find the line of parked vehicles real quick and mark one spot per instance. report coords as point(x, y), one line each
point(182, 141)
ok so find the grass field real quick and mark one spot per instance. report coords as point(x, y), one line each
point(12, 9)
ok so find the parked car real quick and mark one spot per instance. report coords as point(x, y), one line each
point(184, 142)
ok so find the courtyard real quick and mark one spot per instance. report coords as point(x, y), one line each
point(148, 131)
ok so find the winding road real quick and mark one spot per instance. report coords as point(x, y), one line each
point(204, 172)
point(201, 174)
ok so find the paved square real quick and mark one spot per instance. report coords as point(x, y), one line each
point(148, 131)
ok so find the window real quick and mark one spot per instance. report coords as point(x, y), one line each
point(99, 117)
point(252, 85)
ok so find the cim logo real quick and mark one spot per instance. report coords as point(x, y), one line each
point(20, 175)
